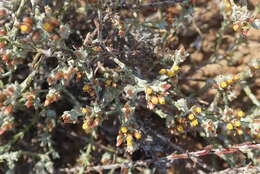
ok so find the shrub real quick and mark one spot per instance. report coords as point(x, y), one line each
point(147, 86)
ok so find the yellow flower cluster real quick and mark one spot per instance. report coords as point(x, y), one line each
point(86, 126)
point(180, 128)
point(225, 83)
point(235, 124)
point(155, 99)
point(27, 25)
point(138, 135)
point(128, 135)
point(149, 91)
point(90, 123)
point(227, 6)
point(86, 110)
point(197, 109)
point(194, 122)
point(129, 140)
point(49, 24)
point(170, 72)
point(110, 82)
point(124, 129)
point(240, 113)
point(88, 88)
point(191, 119)
point(229, 126)
point(191, 116)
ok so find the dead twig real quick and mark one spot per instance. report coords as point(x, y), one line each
point(146, 5)
point(172, 157)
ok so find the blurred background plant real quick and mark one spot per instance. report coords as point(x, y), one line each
point(129, 86)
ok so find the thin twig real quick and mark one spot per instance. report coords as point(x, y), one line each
point(194, 79)
point(21, 7)
point(72, 97)
point(251, 95)
point(5, 74)
point(36, 63)
point(147, 5)
point(172, 157)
